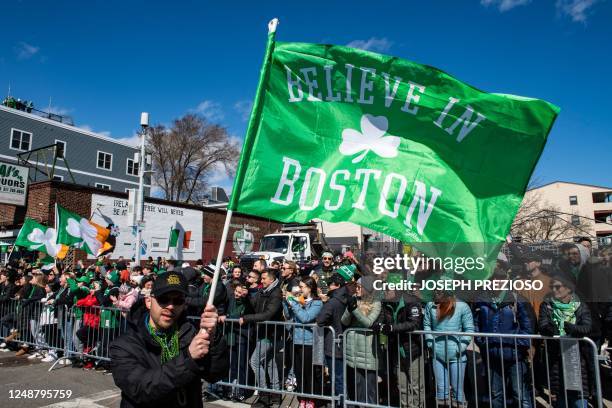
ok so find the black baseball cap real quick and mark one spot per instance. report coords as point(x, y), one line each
point(169, 282)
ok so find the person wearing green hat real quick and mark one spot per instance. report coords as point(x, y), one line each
point(112, 279)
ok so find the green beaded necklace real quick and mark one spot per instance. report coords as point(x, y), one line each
point(168, 342)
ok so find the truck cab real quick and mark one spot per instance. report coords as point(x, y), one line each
point(295, 242)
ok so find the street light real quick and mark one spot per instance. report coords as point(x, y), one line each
point(144, 124)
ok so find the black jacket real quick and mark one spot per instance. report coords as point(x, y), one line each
point(331, 315)
point(198, 296)
point(8, 291)
point(404, 317)
point(580, 329)
point(267, 307)
point(145, 382)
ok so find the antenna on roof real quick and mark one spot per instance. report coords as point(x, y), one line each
point(49, 109)
point(9, 91)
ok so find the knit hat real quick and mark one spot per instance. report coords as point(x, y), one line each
point(347, 272)
point(113, 277)
point(327, 255)
point(209, 270)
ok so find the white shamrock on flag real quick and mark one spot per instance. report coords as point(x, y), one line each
point(84, 230)
point(372, 137)
point(44, 238)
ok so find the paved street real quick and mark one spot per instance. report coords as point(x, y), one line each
point(89, 388)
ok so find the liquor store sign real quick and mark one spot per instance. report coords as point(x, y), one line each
point(13, 184)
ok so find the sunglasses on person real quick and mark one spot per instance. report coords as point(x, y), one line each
point(555, 287)
point(164, 301)
point(327, 258)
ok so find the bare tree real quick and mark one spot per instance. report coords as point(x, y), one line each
point(538, 220)
point(185, 155)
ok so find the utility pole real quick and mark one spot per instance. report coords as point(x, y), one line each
point(144, 124)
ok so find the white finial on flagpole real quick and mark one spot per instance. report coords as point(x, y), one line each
point(272, 25)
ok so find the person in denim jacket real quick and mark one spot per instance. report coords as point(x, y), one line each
point(448, 314)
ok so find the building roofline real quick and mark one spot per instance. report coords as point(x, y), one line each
point(570, 182)
point(64, 126)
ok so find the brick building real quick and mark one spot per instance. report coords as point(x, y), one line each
point(42, 197)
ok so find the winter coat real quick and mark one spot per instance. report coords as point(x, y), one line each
point(404, 317)
point(448, 347)
point(91, 314)
point(512, 316)
point(360, 347)
point(145, 382)
point(126, 302)
point(331, 315)
point(301, 315)
point(581, 328)
point(7, 292)
point(595, 288)
point(267, 307)
point(198, 296)
point(30, 302)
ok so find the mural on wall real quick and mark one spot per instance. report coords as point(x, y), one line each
point(168, 231)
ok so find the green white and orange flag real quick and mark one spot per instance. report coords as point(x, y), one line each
point(37, 237)
point(342, 134)
point(79, 232)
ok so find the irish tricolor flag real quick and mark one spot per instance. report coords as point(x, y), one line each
point(77, 231)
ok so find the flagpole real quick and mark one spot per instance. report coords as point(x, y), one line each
point(236, 190)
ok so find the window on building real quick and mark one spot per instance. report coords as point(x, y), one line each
point(573, 200)
point(60, 149)
point(132, 167)
point(58, 178)
point(575, 220)
point(103, 186)
point(105, 161)
point(20, 140)
point(602, 197)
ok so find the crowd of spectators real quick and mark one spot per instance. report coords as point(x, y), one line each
point(296, 327)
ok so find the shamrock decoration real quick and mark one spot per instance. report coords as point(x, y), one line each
point(372, 137)
point(44, 241)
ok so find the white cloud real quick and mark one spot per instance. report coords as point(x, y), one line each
point(89, 129)
point(576, 9)
point(210, 110)
point(372, 44)
point(133, 140)
point(25, 51)
point(504, 5)
point(244, 109)
point(58, 110)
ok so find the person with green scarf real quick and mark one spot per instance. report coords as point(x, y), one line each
point(563, 314)
point(160, 360)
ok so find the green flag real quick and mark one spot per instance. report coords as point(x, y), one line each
point(74, 230)
point(173, 239)
point(405, 149)
point(37, 237)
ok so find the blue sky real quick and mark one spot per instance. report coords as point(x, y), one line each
point(103, 62)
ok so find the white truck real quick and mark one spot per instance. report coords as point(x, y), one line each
point(294, 242)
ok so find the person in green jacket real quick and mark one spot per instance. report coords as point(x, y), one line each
point(448, 314)
point(361, 313)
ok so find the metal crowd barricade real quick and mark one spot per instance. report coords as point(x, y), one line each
point(34, 324)
point(77, 332)
point(469, 369)
point(94, 329)
point(268, 357)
